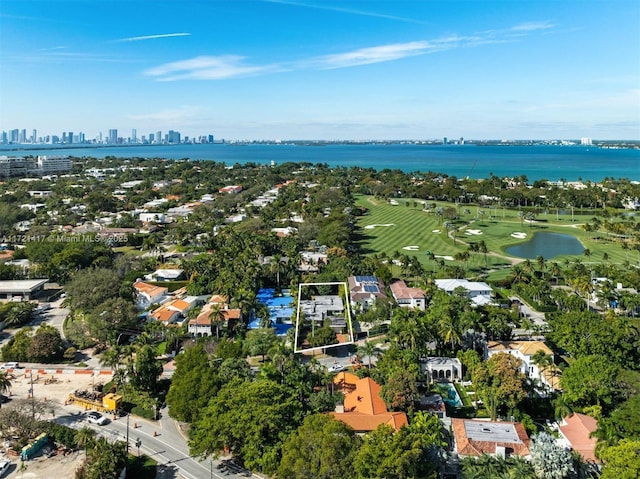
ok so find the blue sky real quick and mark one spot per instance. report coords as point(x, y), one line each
point(323, 69)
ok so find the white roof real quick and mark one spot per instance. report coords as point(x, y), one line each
point(452, 284)
point(21, 286)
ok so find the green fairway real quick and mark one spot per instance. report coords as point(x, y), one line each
point(409, 230)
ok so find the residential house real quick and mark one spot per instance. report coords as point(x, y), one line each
point(148, 294)
point(173, 311)
point(441, 369)
point(548, 374)
point(475, 438)
point(478, 292)
point(203, 324)
point(576, 431)
point(166, 275)
point(363, 409)
point(321, 308)
point(406, 297)
point(364, 290)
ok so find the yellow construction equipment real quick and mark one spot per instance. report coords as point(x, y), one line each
point(109, 403)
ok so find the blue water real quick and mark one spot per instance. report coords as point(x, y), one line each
point(451, 397)
point(536, 162)
point(280, 308)
point(547, 245)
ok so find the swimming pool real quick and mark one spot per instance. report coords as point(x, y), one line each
point(449, 394)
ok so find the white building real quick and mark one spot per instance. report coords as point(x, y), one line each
point(406, 297)
point(53, 164)
point(478, 292)
point(525, 350)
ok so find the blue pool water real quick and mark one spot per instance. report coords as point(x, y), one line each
point(449, 395)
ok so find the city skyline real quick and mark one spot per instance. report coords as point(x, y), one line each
point(278, 69)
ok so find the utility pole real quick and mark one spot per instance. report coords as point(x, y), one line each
point(33, 398)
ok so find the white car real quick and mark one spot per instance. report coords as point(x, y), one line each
point(4, 467)
point(9, 366)
point(97, 418)
point(336, 368)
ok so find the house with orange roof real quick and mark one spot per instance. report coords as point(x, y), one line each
point(406, 297)
point(576, 431)
point(549, 375)
point(172, 311)
point(363, 408)
point(202, 325)
point(475, 438)
point(148, 294)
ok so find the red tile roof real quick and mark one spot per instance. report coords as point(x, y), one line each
point(577, 428)
point(364, 409)
point(516, 439)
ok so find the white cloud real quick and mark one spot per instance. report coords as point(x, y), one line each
point(152, 37)
point(207, 68)
point(233, 66)
point(347, 10)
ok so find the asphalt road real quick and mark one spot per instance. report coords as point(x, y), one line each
point(162, 441)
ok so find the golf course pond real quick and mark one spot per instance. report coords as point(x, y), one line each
point(547, 245)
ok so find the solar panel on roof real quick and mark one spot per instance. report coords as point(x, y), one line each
point(371, 288)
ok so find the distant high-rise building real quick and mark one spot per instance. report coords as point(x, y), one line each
point(113, 136)
point(70, 137)
point(210, 138)
point(23, 136)
point(134, 136)
point(586, 141)
point(158, 136)
point(151, 137)
point(14, 135)
point(444, 140)
point(34, 136)
point(5, 138)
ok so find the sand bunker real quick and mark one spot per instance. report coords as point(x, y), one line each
point(393, 202)
point(448, 258)
point(411, 248)
point(370, 227)
point(436, 231)
point(519, 235)
point(473, 232)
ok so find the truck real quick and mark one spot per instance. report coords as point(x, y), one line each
point(110, 403)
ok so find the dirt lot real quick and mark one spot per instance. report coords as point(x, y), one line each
point(55, 388)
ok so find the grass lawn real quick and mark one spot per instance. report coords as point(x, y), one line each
point(389, 228)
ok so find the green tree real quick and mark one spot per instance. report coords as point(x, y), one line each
point(322, 448)
point(413, 452)
point(250, 419)
point(589, 381)
point(400, 391)
point(500, 383)
point(83, 438)
point(45, 345)
point(91, 287)
point(260, 341)
point(621, 461)
point(193, 384)
point(5, 384)
point(147, 369)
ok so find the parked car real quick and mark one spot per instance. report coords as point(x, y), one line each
point(11, 365)
point(4, 467)
point(97, 418)
point(336, 368)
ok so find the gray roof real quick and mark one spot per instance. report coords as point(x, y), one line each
point(21, 286)
point(492, 431)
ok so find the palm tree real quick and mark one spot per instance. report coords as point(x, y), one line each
point(216, 316)
point(83, 437)
point(5, 384)
point(368, 349)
